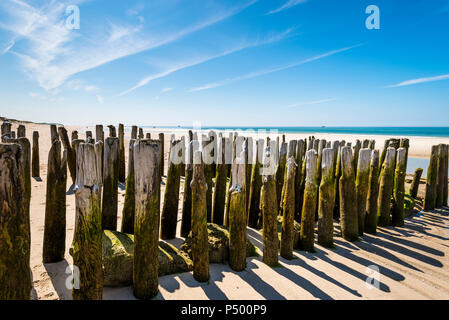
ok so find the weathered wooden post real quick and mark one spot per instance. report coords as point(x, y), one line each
point(397, 214)
point(53, 133)
point(35, 163)
point(306, 237)
point(326, 200)
point(171, 196)
point(110, 184)
point(287, 236)
point(269, 206)
point(162, 154)
point(74, 135)
point(134, 132)
point(55, 206)
point(300, 152)
point(365, 144)
point(99, 133)
point(386, 188)
point(356, 150)
point(146, 226)
point(431, 182)
point(440, 176)
point(186, 223)
point(337, 181)
point(200, 244)
point(129, 207)
point(255, 187)
point(415, 183)
point(141, 135)
point(384, 153)
point(21, 132)
point(87, 239)
point(148, 136)
point(6, 130)
point(89, 135)
point(26, 159)
point(446, 164)
point(249, 167)
point(362, 186)
point(207, 146)
point(280, 172)
point(121, 161)
point(15, 281)
point(348, 202)
point(237, 213)
point(71, 155)
point(373, 194)
point(372, 144)
point(219, 194)
point(112, 131)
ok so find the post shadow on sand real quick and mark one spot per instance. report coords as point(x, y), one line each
point(58, 276)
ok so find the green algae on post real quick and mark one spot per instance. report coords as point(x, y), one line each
point(110, 184)
point(129, 205)
point(287, 236)
point(386, 179)
point(373, 194)
point(348, 201)
point(362, 186)
point(326, 199)
point(431, 182)
point(397, 213)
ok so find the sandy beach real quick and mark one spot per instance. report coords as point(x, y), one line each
point(412, 260)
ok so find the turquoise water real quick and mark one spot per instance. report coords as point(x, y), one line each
point(393, 131)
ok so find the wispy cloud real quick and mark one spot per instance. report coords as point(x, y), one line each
point(420, 80)
point(311, 102)
point(100, 99)
point(268, 71)
point(184, 65)
point(166, 90)
point(287, 5)
point(53, 53)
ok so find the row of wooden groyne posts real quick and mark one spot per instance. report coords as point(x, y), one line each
point(248, 183)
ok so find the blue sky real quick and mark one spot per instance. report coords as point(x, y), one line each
point(226, 63)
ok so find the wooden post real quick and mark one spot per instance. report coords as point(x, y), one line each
point(398, 190)
point(99, 133)
point(386, 188)
point(207, 143)
point(141, 135)
point(373, 194)
point(365, 144)
point(134, 132)
point(326, 200)
point(35, 163)
point(129, 206)
point(299, 158)
point(306, 237)
point(287, 236)
point(440, 176)
point(89, 135)
point(74, 135)
point(200, 244)
point(53, 133)
point(55, 205)
point(146, 227)
point(280, 172)
point(110, 184)
point(255, 187)
point(348, 202)
point(121, 161)
point(112, 131)
point(415, 183)
point(171, 196)
point(362, 185)
point(249, 167)
point(431, 181)
point(21, 133)
point(356, 150)
point(445, 187)
point(337, 181)
point(237, 213)
point(372, 144)
point(270, 207)
point(219, 194)
point(88, 236)
point(148, 136)
point(162, 154)
point(26, 159)
point(71, 155)
point(186, 223)
point(15, 281)
point(384, 152)
point(6, 130)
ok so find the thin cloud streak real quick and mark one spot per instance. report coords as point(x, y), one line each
point(287, 5)
point(184, 65)
point(265, 72)
point(419, 80)
point(311, 102)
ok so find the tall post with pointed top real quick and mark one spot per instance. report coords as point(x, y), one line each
point(237, 212)
point(397, 213)
point(88, 236)
point(146, 224)
point(129, 207)
point(356, 150)
point(171, 196)
point(219, 194)
point(186, 223)
point(162, 154)
point(110, 183)
point(326, 199)
point(269, 209)
point(287, 236)
point(15, 281)
point(431, 181)
point(386, 188)
point(35, 163)
point(53, 133)
point(373, 194)
point(55, 205)
point(71, 155)
point(362, 185)
point(280, 172)
point(299, 156)
point(348, 201)
point(200, 244)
